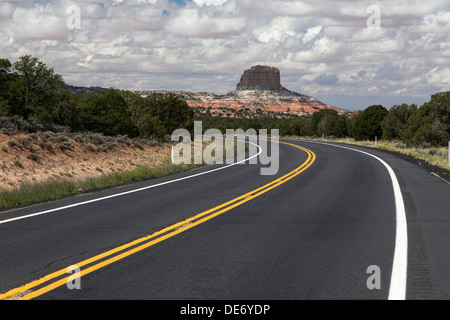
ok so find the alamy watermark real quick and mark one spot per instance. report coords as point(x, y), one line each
point(73, 22)
point(374, 280)
point(374, 20)
point(262, 148)
point(73, 281)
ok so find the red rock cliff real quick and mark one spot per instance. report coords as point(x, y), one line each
point(260, 77)
point(259, 89)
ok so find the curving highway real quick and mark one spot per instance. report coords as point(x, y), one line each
point(336, 222)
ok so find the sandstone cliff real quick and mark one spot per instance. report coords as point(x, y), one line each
point(260, 78)
point(259, 89)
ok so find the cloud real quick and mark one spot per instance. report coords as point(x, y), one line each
point(320, 47)
point(279, 29)
point(195, 23)
point(439, 77)
point(312, 33)
point(209, 2)
point(34, 24)
point(326, 80)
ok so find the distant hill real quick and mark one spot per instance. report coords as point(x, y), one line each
point(82, 90)
point(259, 89)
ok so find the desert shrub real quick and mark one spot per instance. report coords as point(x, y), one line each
point(138, 144)
point(153, 142)
point(27, 143)
point(17, 163)
point(95, 138)
point(90, 148)
point(14, 144)
point(65, 145)
point(14, 124)
point(34, 157)
point(102, 148)
point(59, 138)
point(123, 139)
point(111, 144)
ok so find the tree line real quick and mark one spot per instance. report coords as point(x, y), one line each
point(32, 91)
point(424, 126)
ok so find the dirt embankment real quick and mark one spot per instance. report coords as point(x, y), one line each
point(47, 156)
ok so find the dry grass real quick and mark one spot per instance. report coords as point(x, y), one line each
point(434, 156)
point(41, 157)
point(36, 169)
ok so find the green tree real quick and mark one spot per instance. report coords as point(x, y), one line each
point(440, 115)
point(172, 110)
point(367, 124)
point(107, 112)
point(327, 122)
point(33, 89)
point(316, 118)
point(65, 111)
point(396, 120)
point(160, 114)
point(420, 117)
point(332, 124)
point(430, 124)
point(5, 79)
point(427, 136)
point(297, 127)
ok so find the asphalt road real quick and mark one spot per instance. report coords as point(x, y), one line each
point(312, 236)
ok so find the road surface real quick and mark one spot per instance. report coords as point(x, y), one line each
point(326, 226)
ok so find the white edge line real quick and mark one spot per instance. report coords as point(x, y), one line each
point(397, 290)
point(132, 191)
point(438, 176)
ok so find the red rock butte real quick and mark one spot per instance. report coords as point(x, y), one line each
point(259, 89)
point(260, 78)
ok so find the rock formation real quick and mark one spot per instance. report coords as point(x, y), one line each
point(259, 91)
point(260, 78)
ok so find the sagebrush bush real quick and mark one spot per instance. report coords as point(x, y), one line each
point(65, 145)
point(14, 144)
point(14, 124)
point(34, 157)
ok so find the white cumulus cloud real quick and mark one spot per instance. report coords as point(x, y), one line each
point(321, 47)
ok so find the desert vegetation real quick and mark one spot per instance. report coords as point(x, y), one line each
point(421, 132)
point(31, 91)
point(55, 143)
point(41, 120)
point(416, 127)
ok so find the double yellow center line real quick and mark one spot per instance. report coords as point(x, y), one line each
point(60, 278)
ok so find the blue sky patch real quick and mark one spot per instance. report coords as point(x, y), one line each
point(179, 2)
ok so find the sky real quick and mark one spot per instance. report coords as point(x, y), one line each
point(350, 54)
